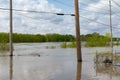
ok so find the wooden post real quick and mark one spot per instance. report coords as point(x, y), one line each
point(78, 43)
point(11, 25)
point(111, 43)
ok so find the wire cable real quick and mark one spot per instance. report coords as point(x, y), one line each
point(31, 11)
point(45, 12)
point(116, 3)
point(94, 21)
point(60, 2)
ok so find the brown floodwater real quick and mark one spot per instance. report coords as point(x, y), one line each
point(35, 61)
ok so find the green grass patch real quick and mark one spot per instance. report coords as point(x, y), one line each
point(4, 46)
point(63, 45)
point(50, 47)
point(68, 45)
point(72, 45)
point(104, 53)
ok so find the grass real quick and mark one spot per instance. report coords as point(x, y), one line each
point(4, 46)
point(63, 45)
point(50, 47)
point(104, 53)
point(68, 45)
point(72, 45)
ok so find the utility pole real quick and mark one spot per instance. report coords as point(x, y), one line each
point(111, 44)
point(78, 43)
point(11, 25)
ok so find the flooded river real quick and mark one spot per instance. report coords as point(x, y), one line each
point(42, 61)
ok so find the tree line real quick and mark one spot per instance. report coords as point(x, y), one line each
point(93, 39)
point(19, 38)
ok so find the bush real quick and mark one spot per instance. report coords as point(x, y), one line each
point(64, 45)
point(72, 45)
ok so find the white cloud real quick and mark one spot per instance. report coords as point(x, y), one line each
point(97, 12)
point(89, 1)
point(36, 22)
point(97, 15)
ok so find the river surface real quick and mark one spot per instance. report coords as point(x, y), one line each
point(42, 61)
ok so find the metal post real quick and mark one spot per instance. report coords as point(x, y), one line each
point(78, 43)
point(11, 25)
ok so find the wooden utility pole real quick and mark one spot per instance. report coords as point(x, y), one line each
point(111, 43)
point(78, 43)
point(11, 25)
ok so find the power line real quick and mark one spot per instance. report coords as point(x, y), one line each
point(68, 5)
point(80, 16)
point(62, 14)
point(51, 13)
point(116, 3)
point(93, 11)
point(94, 21)
point(31, 11)
point(38, 20)
point(69, 23)
point(96, 7)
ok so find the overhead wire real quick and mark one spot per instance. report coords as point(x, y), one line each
point(116, 3)
point(68, 5)
point(80, 16)
point(51, 13)
point(115, 7)
point(94, 21)
point(31, 11)
point(67, 23)
point(34, 18)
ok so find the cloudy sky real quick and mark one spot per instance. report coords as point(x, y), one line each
point(94, 16)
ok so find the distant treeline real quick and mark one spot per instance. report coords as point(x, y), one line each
point(97, 35)
point(19, 38)
point(93, 38)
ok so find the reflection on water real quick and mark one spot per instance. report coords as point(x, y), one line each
point(112, 71)
point(79, 70)
point(11, 68)
point(54, 64)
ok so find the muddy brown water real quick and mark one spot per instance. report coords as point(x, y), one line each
point(54, 64)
